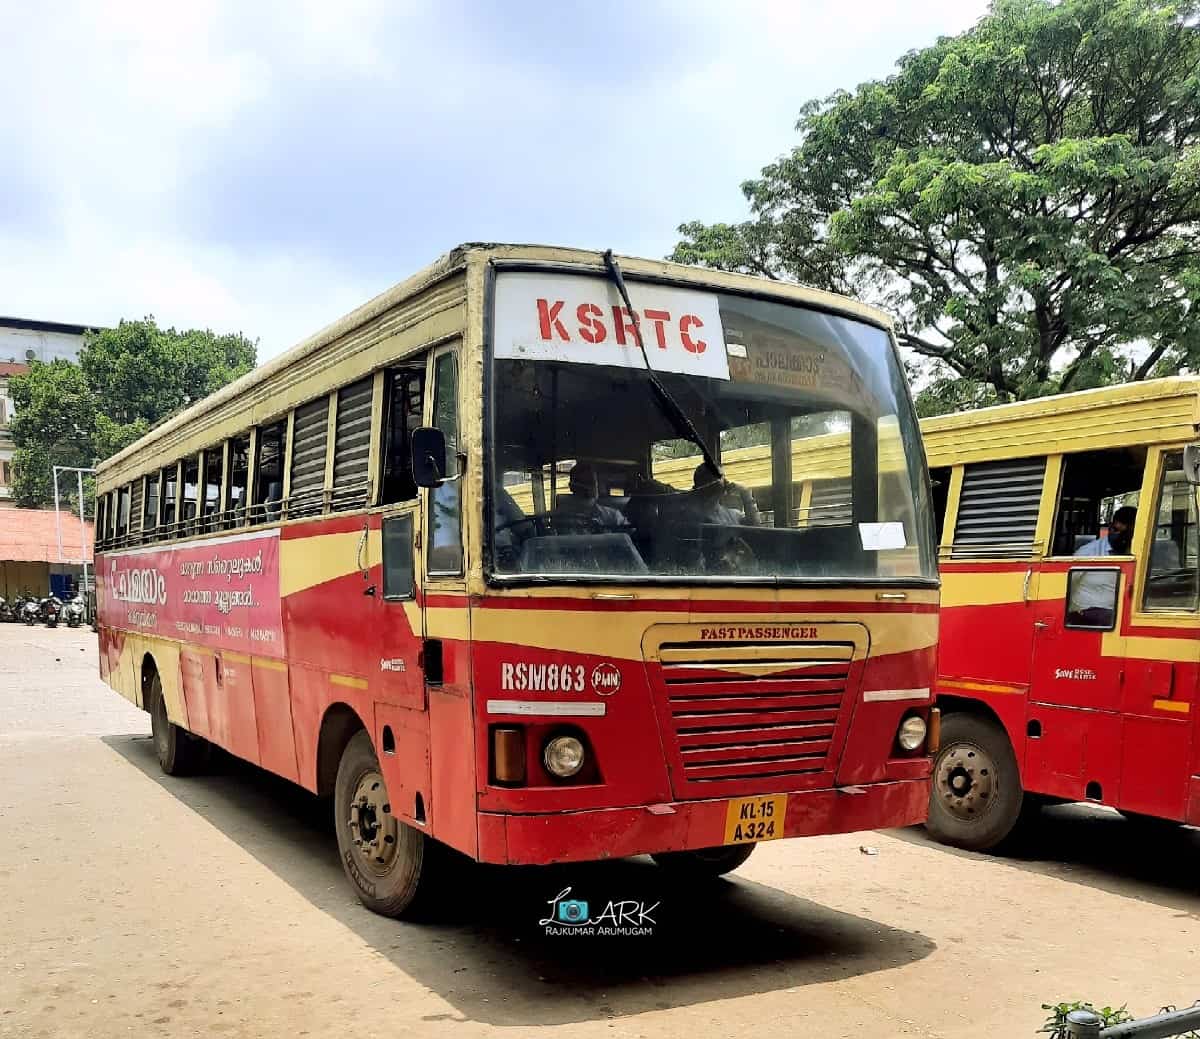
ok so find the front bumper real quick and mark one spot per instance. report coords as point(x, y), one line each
point(608, 833)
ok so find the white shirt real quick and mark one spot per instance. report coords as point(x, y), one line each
point(1093, 590)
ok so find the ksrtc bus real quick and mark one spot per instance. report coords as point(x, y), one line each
point(439, 562)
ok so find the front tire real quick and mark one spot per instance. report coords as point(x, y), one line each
point(976, 797)
point(179, 752)
point(389, 864)
point(704, 863)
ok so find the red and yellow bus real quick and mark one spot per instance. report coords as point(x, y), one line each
point(438, 562)
point(1068, 662)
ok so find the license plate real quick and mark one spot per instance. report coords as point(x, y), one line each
point(755, 819)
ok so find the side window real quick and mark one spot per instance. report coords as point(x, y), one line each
point(1094, 484)
point(101, 517)
point(352, 445)
point(939, 479)
point(213, 463)
point(122, 512)
point(998, 509)
point(268, 472)
point(310, 431)
point(191, 485)
point(170, 484)
point(150, 512)
point(239, 471)
point(445, 511)
point(1092, 597)
point(404, 394)
point(1171, 573)
point(398, 557)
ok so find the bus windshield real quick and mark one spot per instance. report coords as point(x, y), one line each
point(823, 474)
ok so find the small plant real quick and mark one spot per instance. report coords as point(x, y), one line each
point(1056, 1023)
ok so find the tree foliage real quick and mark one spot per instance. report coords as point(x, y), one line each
point(128, 379)
point(1024, 197)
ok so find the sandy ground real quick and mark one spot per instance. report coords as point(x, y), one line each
point(132, 903)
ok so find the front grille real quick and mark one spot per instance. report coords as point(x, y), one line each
point(761, 713)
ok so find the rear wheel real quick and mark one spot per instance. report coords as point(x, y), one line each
point(389, 864)
point(976, 797)
point(179, 752)
point(705, 863)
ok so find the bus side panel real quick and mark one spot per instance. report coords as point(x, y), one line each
point(273, 715)
point(406, 767)
point(310, 700)
point(194, 662)
point(990, 643)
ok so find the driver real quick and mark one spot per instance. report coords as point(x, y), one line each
point(584, 500)
point(707, 491)
point(1093, 594)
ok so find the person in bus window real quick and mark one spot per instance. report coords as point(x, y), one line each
point(1093, 595)
point(582, 506)
point(708, 490)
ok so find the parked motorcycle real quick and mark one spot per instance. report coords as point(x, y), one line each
point(31, 612)
point(6, 610)
point(75, 612)
point(52, 607)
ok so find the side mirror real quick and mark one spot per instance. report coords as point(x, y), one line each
point(428, 456)
point(1191, 463)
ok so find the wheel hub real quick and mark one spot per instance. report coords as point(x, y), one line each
point(965, 780)
point(373, 828)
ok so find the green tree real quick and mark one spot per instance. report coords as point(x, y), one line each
point(128, 379)
point(1024, 197)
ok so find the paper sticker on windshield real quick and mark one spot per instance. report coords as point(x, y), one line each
point(879, 537)
point(580, 319)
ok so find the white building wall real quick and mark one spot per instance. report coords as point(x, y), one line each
point(24, 345)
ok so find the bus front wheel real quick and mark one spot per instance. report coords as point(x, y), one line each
point(179, 752)
point(387, 862)
point(704, 863)
point(976, 797)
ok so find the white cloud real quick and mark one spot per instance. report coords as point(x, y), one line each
point(268, 166)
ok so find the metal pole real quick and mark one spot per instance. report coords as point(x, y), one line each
point(1170, 1022)
point(1083, 1024)
point(57, 515)
point(83, 549)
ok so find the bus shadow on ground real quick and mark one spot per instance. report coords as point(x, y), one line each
point(1096, 847)
point(485, 950)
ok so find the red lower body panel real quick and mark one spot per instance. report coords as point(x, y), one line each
point(617, 832)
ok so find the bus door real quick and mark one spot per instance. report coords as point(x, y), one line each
point(446, 649)
point(1073, 721)
point(1160, 751)
point(398, 628)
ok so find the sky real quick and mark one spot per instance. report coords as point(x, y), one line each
point(266, 167)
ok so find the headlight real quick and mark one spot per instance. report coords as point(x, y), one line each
point(912, 733)
point(563, 756)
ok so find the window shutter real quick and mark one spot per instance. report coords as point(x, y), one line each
point(998, 509)
point(831, 503)
point(135, 508)
point(352, 445)
point(309, 433)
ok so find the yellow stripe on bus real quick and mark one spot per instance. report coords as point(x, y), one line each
point(350, 681)
point(980, 687)
point(1178, 706)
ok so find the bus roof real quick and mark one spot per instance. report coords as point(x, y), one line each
point(1152, 412)
point(283, 370)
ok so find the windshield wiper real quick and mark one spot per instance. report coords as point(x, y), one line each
point(670, 406)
